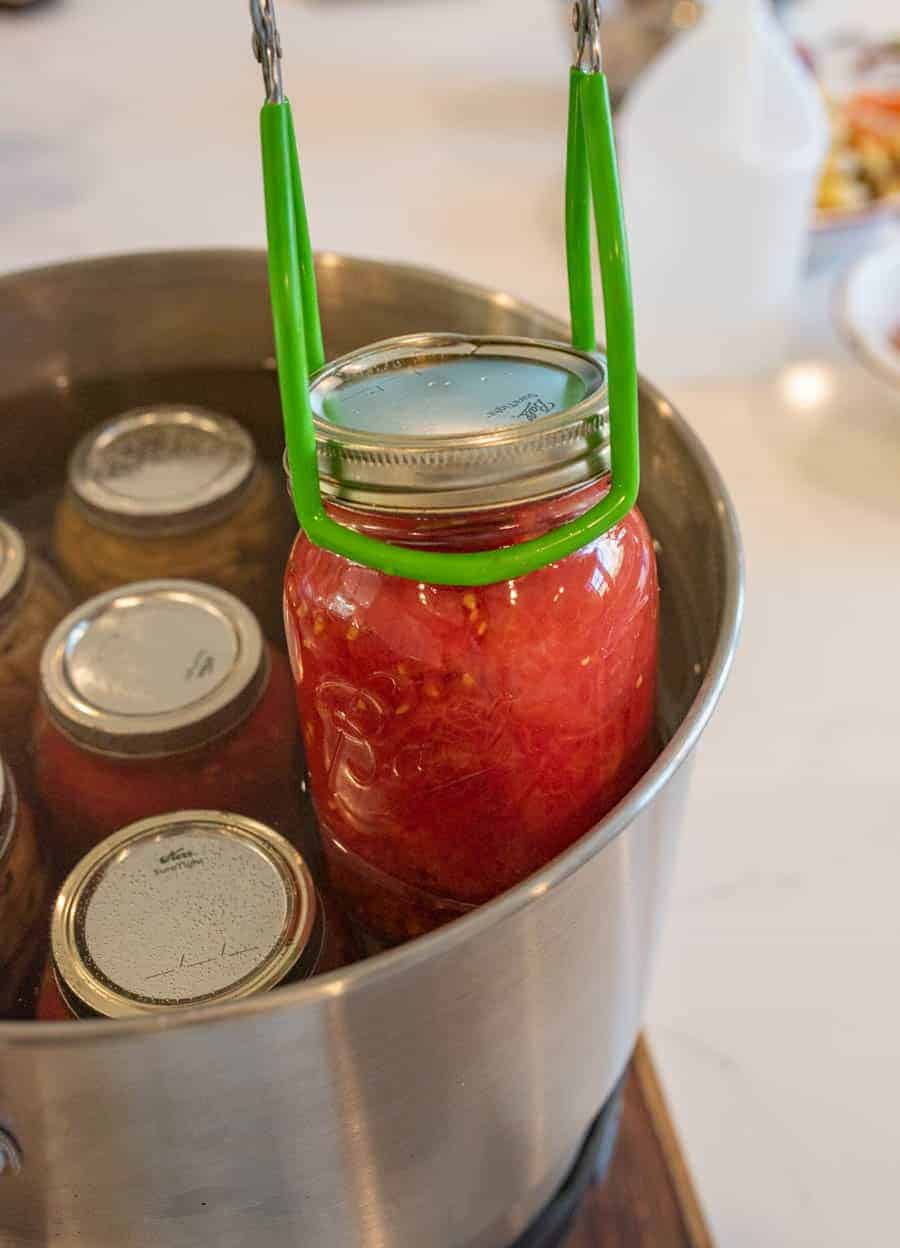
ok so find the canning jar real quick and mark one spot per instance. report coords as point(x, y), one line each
point(459, 738)
point(24, 893)
point(32, 602)
point(171, 491)
point(193, 908)
point(162, 696)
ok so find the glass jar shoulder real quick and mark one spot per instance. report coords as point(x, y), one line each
point(583, 600)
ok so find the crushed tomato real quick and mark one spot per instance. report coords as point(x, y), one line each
point(457, 739)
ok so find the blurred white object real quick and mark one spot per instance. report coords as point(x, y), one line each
point(722, 142)
point(868, 311)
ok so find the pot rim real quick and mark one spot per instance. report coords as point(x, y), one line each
point(436, 944)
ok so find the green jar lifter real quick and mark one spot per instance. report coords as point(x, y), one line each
point(591, 178)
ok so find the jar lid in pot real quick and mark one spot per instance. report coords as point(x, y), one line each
point(154, 668)
point(163, 469)
point(13, 561)
point(183, 909)
point(432, 422)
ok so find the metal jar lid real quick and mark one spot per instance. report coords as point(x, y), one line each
point(154, 668)
point(13, 561)
point(431, 422)
point(183, 909)
point(160, 470)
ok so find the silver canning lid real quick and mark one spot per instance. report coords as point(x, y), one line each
point(154, 668)
point(430, 422)
point(13, 561)
point(164, 469)
point(180, 910)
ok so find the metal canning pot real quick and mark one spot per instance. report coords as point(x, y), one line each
point(434, 1095)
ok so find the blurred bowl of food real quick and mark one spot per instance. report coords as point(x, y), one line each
point(867, 311)
point(859, 190)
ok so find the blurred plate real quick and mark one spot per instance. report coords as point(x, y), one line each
point(868, 311)
point(842, 236)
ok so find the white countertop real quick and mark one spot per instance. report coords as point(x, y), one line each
point(775, 1017)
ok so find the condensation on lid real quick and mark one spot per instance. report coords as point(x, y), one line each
point(183, 909)
point(430, 422)
point(13, 559)
point(154, 668)
point(163, 469)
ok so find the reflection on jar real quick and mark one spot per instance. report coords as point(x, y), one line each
point(194, 908)
point(32, 602)
point(24, 894)
point(162, 696)
point(172, 491)
point(457, 739)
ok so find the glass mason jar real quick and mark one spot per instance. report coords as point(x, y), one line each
point(459, 738)
point(194, 908)
point(24, 895)
point(162, 696)
point(32, 602)
point(171, 491)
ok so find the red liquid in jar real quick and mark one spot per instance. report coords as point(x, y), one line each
point(457, 739)
point(51, 1008)
point(91, 794)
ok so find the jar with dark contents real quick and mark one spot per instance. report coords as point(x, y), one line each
point(24, 894)
point(162, 696)
point(457, 739)
point(196, 908)
point(32, 602)
point(172, 491)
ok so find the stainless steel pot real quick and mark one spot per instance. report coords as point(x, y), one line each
point(434, 1095)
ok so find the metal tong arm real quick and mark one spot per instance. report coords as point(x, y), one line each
point(591, 164)
point(586, 24)
point(266, 44)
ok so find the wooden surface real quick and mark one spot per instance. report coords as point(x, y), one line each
point(648, 1199)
